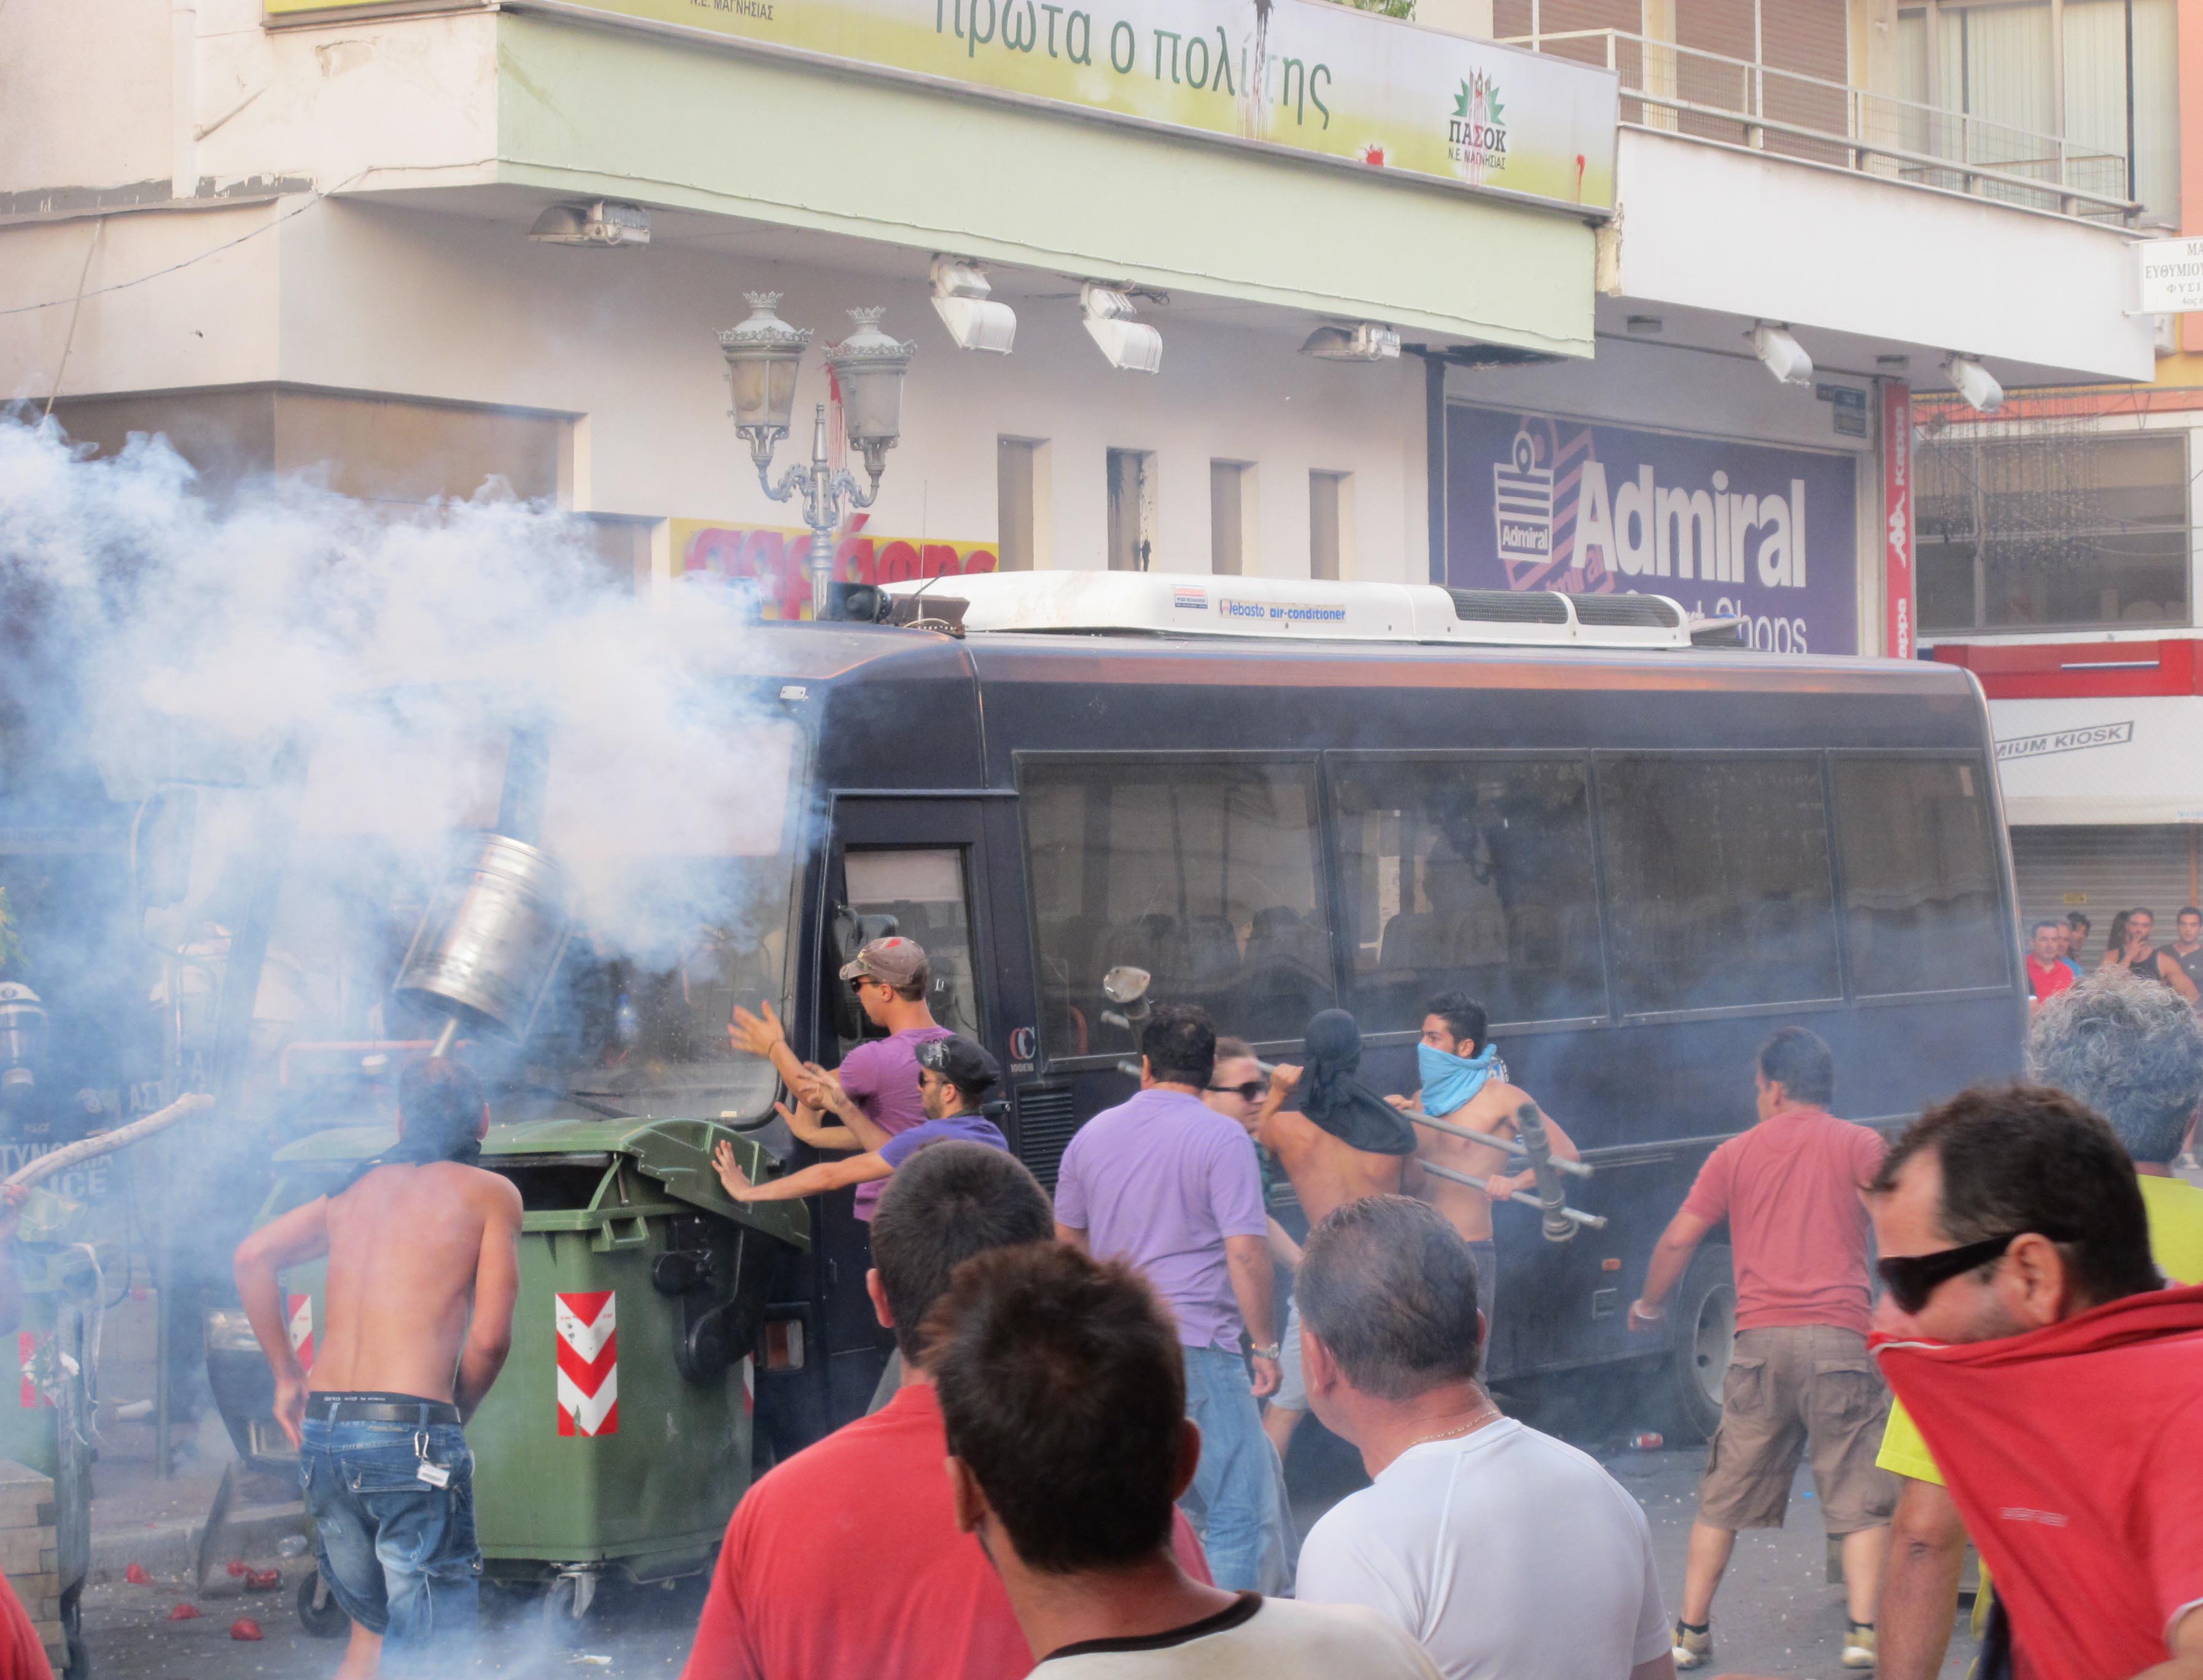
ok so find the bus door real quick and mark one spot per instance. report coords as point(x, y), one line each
point(913, 866)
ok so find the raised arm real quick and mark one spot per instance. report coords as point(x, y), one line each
point(805, 1122)
point(298, 1236)
point(497, 1288)
point(763, 1034)
point(823, 1089)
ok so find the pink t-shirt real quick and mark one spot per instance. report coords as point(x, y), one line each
point(1790, 1189)
point(880, 1076)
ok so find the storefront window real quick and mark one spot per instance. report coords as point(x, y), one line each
point(2055, 530)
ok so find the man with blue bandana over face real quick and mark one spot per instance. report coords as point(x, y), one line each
point(1464, 1083)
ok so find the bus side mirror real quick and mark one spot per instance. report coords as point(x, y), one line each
point(161, 837)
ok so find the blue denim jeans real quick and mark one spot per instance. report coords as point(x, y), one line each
point(1238, 1488)
point(399, 1554)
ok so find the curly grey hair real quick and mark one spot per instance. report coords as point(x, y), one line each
point(2130, 1049)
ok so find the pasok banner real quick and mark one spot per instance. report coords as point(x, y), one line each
point(1729, 529)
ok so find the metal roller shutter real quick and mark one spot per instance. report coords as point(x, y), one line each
point(2108, 869)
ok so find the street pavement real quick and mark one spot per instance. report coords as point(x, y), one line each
point(1778, 1614)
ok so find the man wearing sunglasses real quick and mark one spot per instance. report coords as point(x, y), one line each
point(890, 977)
point(2132, 1052)
point(2060, 1387)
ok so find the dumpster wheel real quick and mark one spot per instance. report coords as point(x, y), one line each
point(566, 1603)
point(319, 1613)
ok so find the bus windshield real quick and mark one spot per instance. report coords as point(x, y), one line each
point(680, 878)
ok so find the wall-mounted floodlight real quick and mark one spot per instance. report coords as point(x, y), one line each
point(602, 225)
point(1365, 341)
point(1129, 344)
point(1975, 383)
point(1785, 357)
point(960, 298)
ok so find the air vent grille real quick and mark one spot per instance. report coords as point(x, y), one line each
point(1605, 611)
point(1046, 1120)
point(1507, 607)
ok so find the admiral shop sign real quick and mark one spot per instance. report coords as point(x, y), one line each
point(1730, 530)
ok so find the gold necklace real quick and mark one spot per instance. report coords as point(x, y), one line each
point(1490, 1414)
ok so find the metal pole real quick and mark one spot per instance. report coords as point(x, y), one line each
point(820, 510)
point(2130, 103)
point(1515, 1156)
point(1572, 1216)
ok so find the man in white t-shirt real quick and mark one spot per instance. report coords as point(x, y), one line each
point(1062, 1386)
point(1505, 1553)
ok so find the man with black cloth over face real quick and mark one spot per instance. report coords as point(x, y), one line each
point(1339, 1142)
point(423, 1251)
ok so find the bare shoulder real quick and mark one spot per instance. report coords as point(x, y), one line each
point(492, 1192)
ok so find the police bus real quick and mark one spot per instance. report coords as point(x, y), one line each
point(1640, 853)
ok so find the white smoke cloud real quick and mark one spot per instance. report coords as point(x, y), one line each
point(169, 633)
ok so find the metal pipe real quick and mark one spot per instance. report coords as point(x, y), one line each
point(1513, 1154)
point(1530, 1125)
point(1574, 1216)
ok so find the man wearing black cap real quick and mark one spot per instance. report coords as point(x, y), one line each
point(954, 1076)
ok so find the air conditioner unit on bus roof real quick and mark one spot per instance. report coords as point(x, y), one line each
point(1201, 603)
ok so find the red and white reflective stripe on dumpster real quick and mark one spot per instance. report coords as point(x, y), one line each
point(588, 1363)
point(27, 1351)
point(301, 1310)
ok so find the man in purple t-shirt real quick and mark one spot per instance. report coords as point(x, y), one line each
point(879, 1077)
point(1167, 1183)
point(955, 1077)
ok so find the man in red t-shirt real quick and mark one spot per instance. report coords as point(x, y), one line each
point(2047, 973)
point(1792, 1191)
point(846, 1563)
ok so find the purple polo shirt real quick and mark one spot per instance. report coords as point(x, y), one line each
point(956, 1129)
point(880, 1076)
point(1161, 1182)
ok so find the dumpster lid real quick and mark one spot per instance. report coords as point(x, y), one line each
point(677, 1153)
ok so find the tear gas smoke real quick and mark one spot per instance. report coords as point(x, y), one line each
point(155, 634)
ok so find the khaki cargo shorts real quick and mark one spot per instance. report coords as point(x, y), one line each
point(1799, 1388)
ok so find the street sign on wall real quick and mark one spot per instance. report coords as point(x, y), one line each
point(1307, 76)
point(1535, 501)
point(2171, 275)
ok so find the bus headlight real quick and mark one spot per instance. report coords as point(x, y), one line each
point(229, 1331)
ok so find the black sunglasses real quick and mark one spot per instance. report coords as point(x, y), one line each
point(1249, 1093)
point(1913, 1278)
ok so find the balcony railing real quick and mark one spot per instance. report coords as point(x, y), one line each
point(1679, 89)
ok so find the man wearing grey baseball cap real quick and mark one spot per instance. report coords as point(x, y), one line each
point(955, 1079)
point(876, 1082)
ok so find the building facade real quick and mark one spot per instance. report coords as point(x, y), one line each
point(1662, 274)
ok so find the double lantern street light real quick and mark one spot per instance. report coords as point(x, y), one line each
point(763, 355)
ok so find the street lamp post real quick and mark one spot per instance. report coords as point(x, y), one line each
point(763, 355)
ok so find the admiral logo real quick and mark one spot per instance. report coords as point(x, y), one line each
point(1189, 600)
point(1522, 503)
point(2064, 741)
point(1476, 134)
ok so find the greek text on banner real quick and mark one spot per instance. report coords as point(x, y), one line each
point(1307, 76)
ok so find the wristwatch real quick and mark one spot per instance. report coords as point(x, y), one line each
point(1272, 1352)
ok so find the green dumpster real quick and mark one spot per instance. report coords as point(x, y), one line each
point(618, 1439)
point(45, 1413)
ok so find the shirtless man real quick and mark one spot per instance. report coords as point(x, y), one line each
point(1465, 1084)
point(1327, 1171)
point(423, 1254)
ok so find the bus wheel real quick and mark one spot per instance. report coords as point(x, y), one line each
point(1701, 1335)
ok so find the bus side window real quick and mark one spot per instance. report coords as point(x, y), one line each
point(1459, 874)
point(1914, 838)
point(921, 894)
point(1717, 879)
point(1201, 872)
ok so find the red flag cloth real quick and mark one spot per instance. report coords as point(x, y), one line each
point(2072, 1453)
